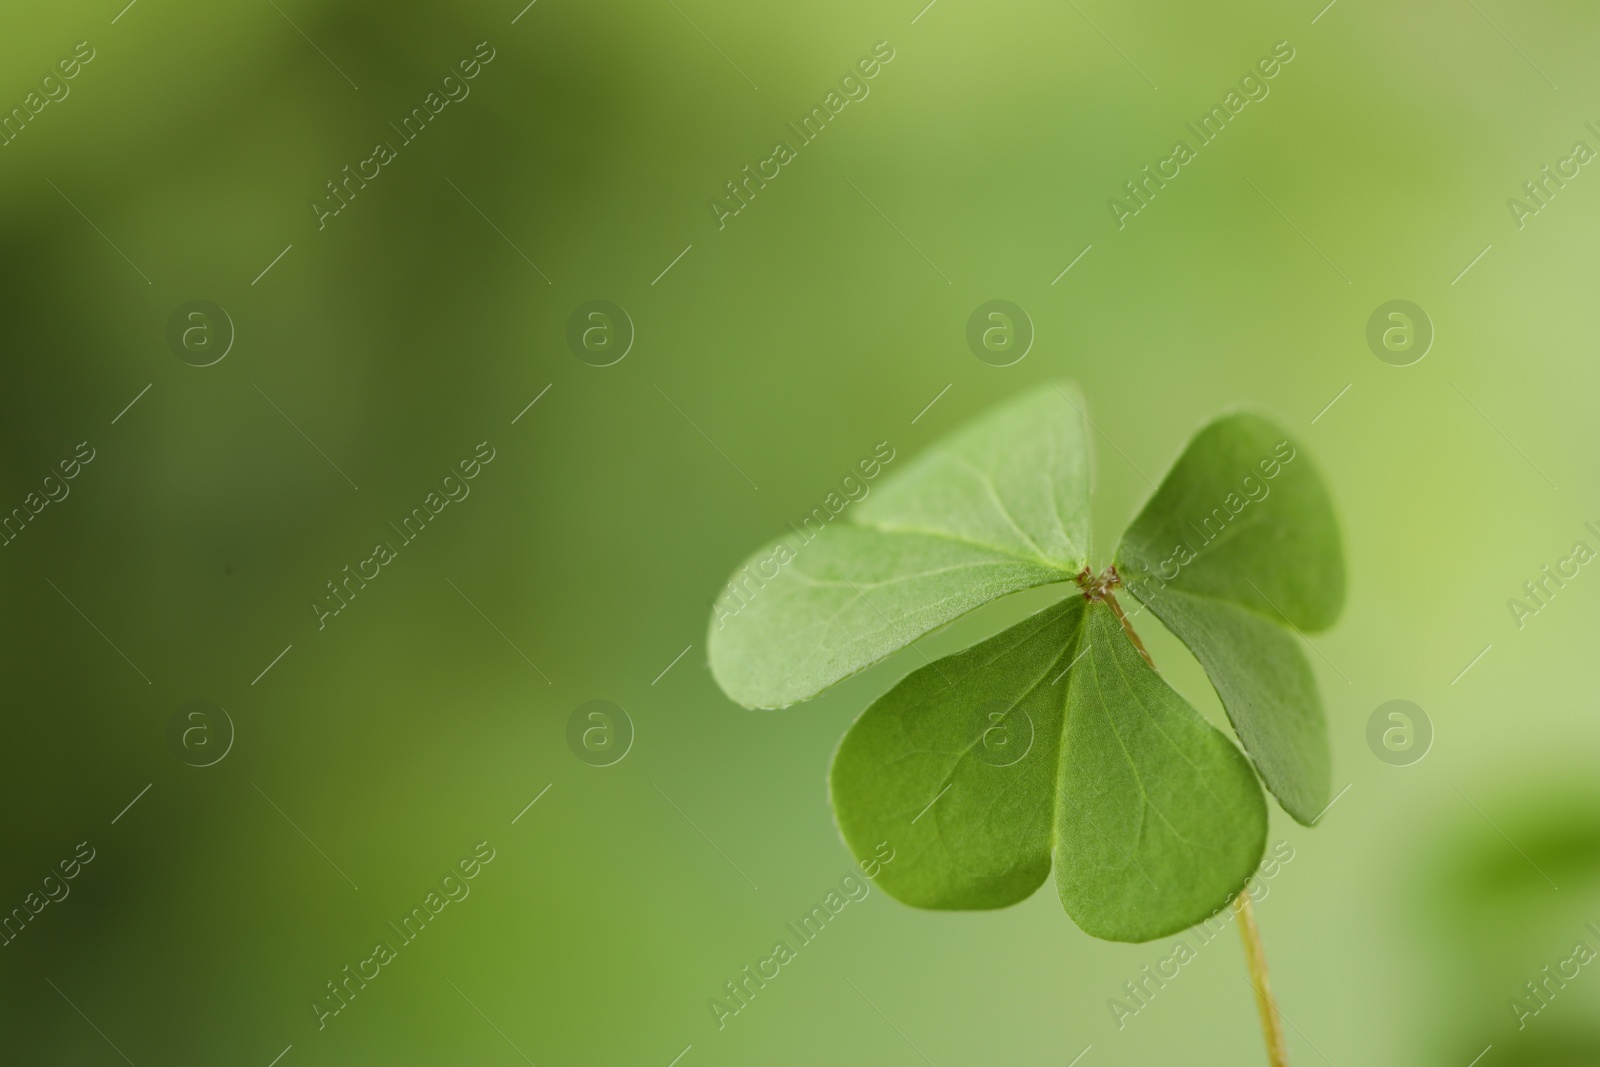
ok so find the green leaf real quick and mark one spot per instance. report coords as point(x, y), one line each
point(1257, 518)
point(1051, 742)
point(846, 601)
point(1239, 540)
point(1158, 816)
point(1000, 506)
point(1016, 481)
point(979, 731)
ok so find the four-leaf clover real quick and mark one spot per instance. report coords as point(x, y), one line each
point(1056, 742)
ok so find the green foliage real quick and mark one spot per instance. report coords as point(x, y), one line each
point(1002, 506)
point(1055, 743)
point(1257, 521)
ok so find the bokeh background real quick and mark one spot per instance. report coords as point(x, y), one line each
point(377, 352)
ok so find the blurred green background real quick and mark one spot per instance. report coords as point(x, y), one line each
point(378, 351)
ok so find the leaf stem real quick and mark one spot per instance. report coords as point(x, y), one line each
point(1256, 958)
point(1127, 626)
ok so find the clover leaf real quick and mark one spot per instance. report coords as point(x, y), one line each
point(1240, 538)
point(1056, 743)
point(1002, 506)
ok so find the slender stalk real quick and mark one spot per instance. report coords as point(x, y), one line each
point(1127, 626)
point(1256, 957)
